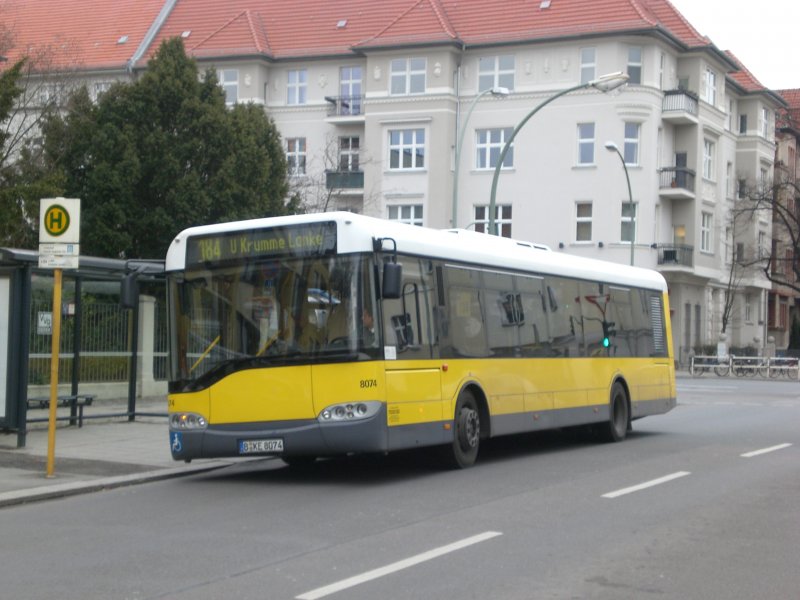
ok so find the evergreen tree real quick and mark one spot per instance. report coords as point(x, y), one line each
point(164, 153)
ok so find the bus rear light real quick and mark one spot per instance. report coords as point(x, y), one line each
point(351, 411)
point(187, 421)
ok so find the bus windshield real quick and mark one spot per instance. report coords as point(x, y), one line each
point(269, 311)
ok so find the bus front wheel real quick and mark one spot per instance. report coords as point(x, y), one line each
point(619, 418)
point(463, 451)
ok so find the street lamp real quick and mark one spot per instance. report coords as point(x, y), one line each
point(494, 91)
point(605, 83)
point(612, 147)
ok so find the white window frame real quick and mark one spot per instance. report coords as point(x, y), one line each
point(765, 123)
point(229, 80)
point(586, 142)
point(635, 71)
point(631, 143)
point(710, 95)
point(709, 151)
point(495, 71)
point(488, 145)
point(588, 63)
point(408, 76)
point(410, 143)
point(412, 214)
point(748, 308)
point(351, 89)
point(296, 156)
point(296, 87)
point(583, 221)
point(502, 219)
point(627, 222)
point(349, 150)
point(706, 232)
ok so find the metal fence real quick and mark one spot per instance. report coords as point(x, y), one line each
point(746, 366)
point(104, 343)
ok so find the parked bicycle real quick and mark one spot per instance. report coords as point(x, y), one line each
point(700, 365)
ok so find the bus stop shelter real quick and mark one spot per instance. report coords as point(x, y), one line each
point(25, 317)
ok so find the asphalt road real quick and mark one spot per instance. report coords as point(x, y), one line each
point(701, 503)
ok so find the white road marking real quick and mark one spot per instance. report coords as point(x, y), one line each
point(764, 451)
point(398, 566)
point(647, 484)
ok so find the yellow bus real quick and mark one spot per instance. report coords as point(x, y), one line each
point(330, 334)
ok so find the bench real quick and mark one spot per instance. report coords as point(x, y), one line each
point(76, 402)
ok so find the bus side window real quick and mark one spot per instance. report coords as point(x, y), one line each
point(534, 332)
point(564, 319)
point(408, 320)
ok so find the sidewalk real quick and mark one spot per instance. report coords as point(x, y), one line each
point(103, 454)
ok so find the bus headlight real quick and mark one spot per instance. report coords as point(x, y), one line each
point(350, 411)
point(187, 421)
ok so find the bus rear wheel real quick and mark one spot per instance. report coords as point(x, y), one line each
point(463, 451)
point(619, 418)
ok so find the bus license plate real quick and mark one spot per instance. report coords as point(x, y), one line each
point(260, 446)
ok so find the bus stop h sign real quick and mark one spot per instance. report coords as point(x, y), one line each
point(59, 233)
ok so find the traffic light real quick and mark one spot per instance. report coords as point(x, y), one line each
point(609, 331)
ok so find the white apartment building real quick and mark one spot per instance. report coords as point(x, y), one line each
point(375, 100)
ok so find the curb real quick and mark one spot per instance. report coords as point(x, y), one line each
point(61, 490)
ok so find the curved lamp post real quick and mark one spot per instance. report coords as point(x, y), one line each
point(494, 91)
point(612, 147)
point(605, 83)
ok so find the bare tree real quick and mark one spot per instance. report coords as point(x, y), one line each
point(321, 182)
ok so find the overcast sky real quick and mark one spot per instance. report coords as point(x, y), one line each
point(762, 34)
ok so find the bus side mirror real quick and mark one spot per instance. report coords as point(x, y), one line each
point(129, 291)
point(392, 280)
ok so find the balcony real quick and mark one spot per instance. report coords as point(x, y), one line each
point(676, 183)
point(344, 180)
point(680, 107)
point(345, 109)
point(675, 255)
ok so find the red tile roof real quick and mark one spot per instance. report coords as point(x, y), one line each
point(746, 80)
point(77, 34)
point(86, 34)
point(790, 116)
point(311, 27)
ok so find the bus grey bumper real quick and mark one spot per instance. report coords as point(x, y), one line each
point(282, 438)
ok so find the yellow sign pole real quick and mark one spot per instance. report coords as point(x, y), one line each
point(55, 341)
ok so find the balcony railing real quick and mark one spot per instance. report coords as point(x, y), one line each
point(676, 177)
point(675, 254)
point(344, 180)
point(345, 106)
point(682, 101)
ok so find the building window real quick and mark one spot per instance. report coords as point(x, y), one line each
point(634, 64)
point(296, 86)
point(711, 88)
point(350, 90)
point(627, 232)
point(585, 143)
point(100, 88)
point(229, 80)
point(407, 213)
point(631, 146)
point(742, 124)
point(407, 149)
point(496, 71)
point(408, 76)
point(705, 232)
point(729, 115)
point(502, 219)
point(729, 181)
point(348, 153)
point(588, 65)
point(748, 308)
point(488, 144)
point(296, 156)
point(763, 251)
point(765, 123)
point(661, 72)
point(583, 221)
point(709, 149)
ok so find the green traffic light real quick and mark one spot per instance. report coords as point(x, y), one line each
point(606, 342)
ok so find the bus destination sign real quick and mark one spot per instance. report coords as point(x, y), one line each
point(313, 239)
